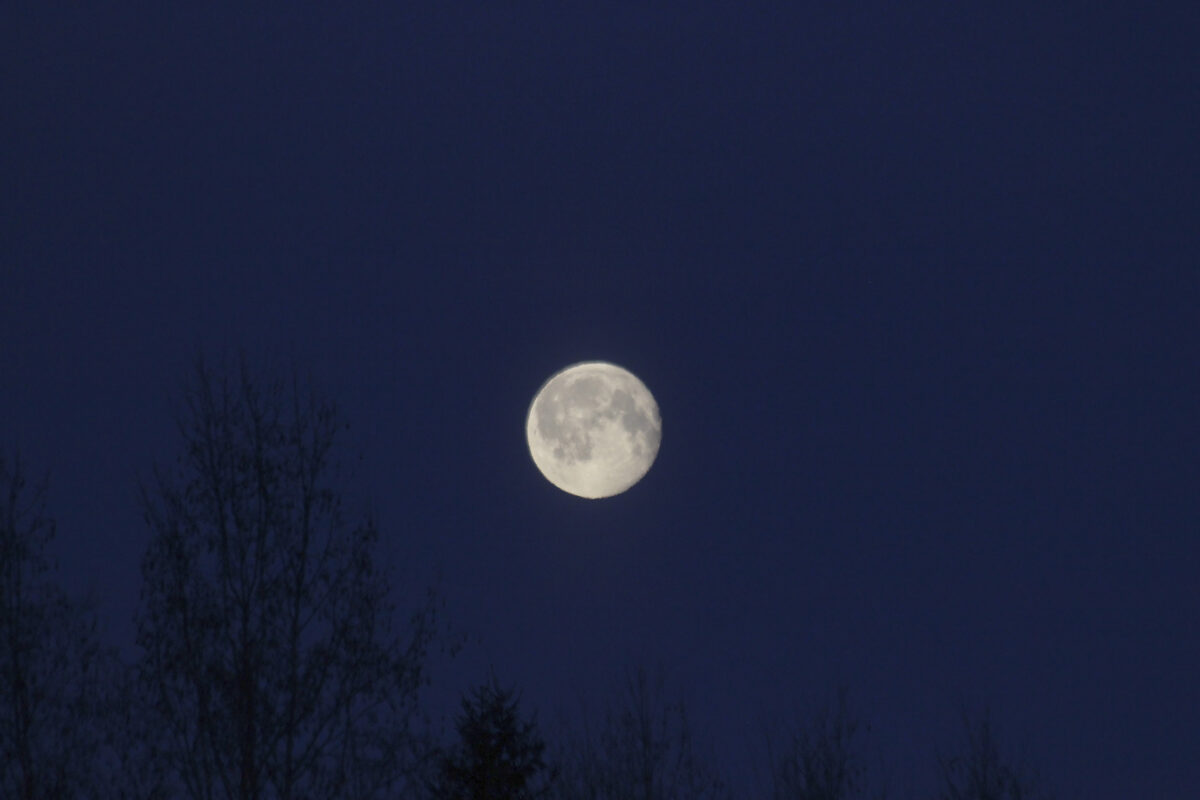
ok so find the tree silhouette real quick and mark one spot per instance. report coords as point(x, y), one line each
point(982, 772)
point(53, 671)
point(642, 750)
point(269, 652)
point(499, 755)
point(819, 759)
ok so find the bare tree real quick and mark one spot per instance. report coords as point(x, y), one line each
point(981, 772)
point(131, 767)
point(642, 750)
point(820, 758)
point(52, 667)
point(269, 649)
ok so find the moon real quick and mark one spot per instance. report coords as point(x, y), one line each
point(593, 429)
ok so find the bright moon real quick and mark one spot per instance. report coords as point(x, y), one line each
point(593, 429)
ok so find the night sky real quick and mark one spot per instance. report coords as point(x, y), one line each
point(915, 287)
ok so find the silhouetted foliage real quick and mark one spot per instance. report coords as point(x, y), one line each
point(820, 758)
point(982, 772)
point(642, 750)
point(269, 654)
point(53, 671)
point(498, 756)
point(132, 769)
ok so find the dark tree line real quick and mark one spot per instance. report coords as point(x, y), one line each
point(273, 665)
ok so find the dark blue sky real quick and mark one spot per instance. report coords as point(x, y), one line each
point(915, 287)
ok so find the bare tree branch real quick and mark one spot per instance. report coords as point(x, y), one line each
point(266, 627)
point(641, 750)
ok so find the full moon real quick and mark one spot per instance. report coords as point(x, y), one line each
point(593, 429)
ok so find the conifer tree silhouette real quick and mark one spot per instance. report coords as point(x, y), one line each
point(498, 756)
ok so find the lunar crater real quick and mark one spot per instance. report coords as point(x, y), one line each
point(594, 429)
